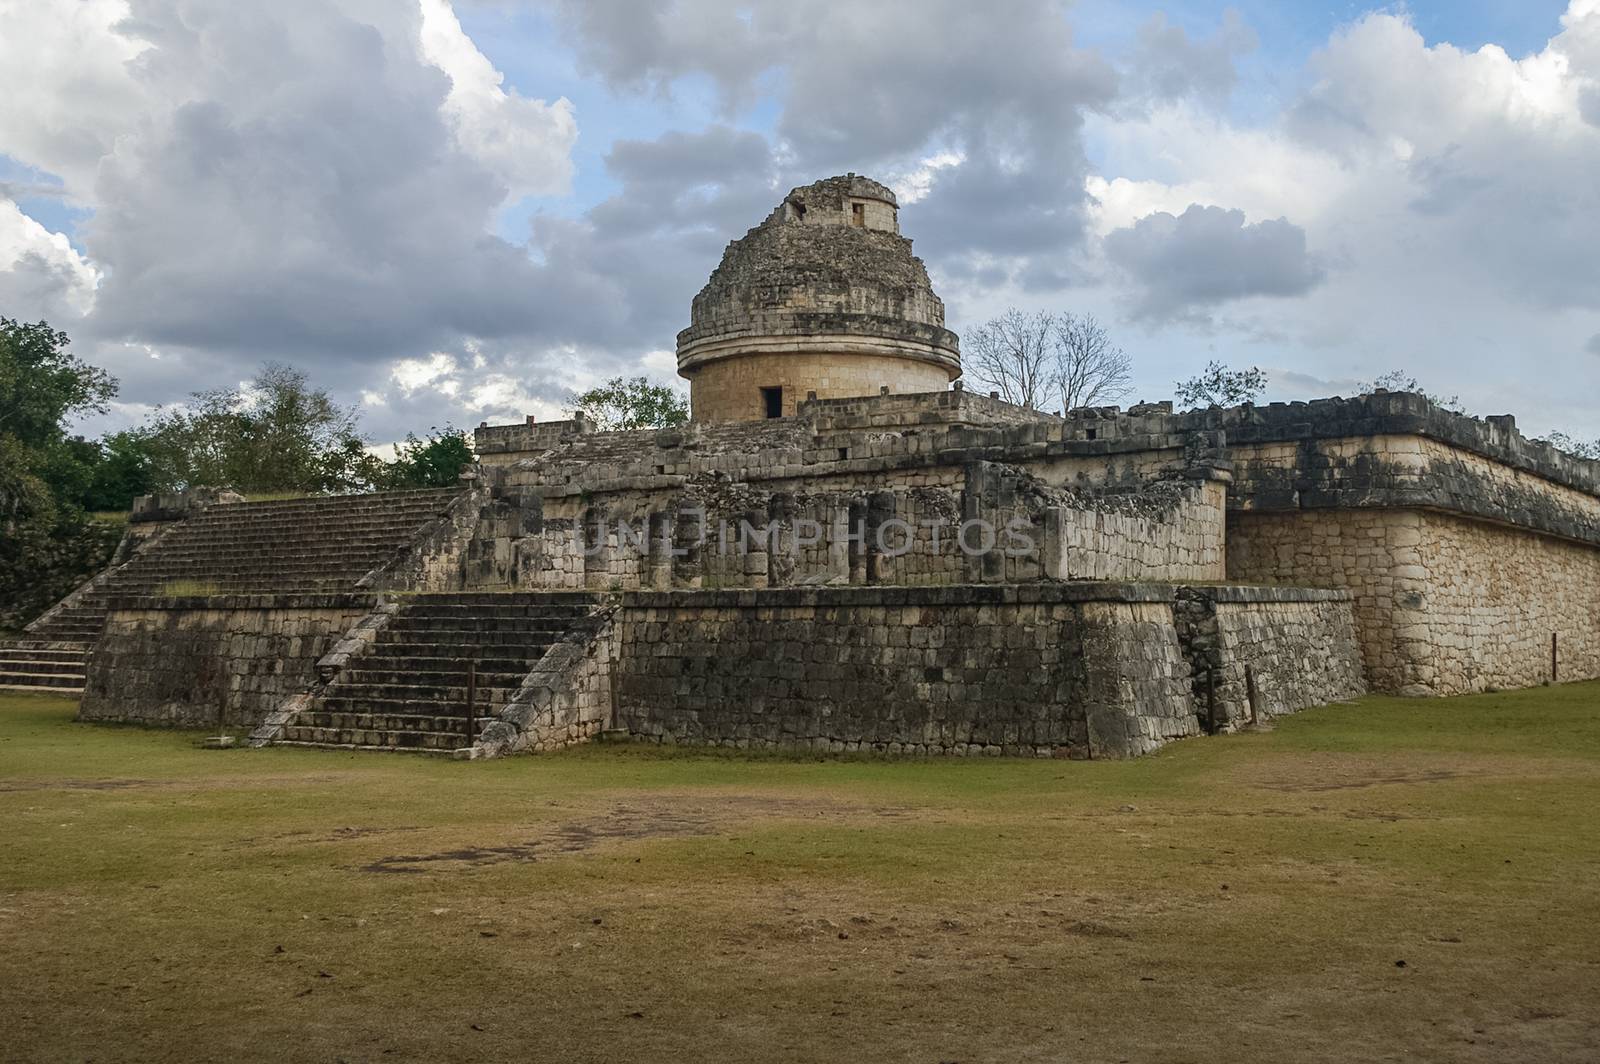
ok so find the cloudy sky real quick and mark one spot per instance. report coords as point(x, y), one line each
point(459, 213)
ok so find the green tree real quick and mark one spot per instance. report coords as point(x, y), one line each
point(47, 546)
point(435, 462)
point(1220, 386)
point(277, 433)
point(124, 471)
point(631, 403)
point(42, 385)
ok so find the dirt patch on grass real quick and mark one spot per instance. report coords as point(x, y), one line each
point(644, 818)
point(1359, 783)
point(78, 785)
point(226, 783)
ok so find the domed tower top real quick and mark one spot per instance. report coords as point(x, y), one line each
point(823, 296)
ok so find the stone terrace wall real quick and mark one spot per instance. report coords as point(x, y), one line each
point(987, 524)
point(1063, 670)
point(1466, 545)
point(1075, 670)
point(184, 661)
point(953, 407)
point(1444, 604)
point(605, 510)
point(1259, 652)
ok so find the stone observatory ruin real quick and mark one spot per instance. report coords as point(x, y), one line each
point(844, 552)
point(825, 299)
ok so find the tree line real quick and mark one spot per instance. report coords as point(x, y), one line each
point(274, 434)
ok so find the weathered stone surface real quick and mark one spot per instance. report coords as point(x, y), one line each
point(1258, 652)
point(1074, 670)
point(219, 660)
point(822, 297)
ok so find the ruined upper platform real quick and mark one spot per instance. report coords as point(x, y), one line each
point(827, 265)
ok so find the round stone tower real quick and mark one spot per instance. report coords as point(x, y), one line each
point(824, 296)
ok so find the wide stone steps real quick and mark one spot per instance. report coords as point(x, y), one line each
point(409, 691)
point(339, 720)
point(373, 668)
point(394, 694)
point(282, 546)
point(12, 663)
point(55, 665)
point(47, 682)
point(371, 740)
point(507, 675)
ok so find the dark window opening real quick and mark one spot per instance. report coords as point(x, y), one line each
point(858, 214)
point(1091, 433)
point(772, 399)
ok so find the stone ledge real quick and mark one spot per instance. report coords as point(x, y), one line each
point(1399, 414)
point(260, 601)
point(886, 595)
point(1247, 593)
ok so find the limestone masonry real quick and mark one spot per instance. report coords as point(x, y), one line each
point(842, 552)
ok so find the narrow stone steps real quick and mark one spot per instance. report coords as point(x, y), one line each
point(283, 546)
point(41, 666)
point(447, 694)
point(456, 680)
point(333, 745)
point(56, 666)
point(373, 739)
point(464, 638)
point(49, 653)
point(44, 681)
point(408, 691)
point(417, 665)
point(413, 707)
point(415, 722)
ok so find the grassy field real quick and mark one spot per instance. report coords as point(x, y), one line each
point(1392, 880)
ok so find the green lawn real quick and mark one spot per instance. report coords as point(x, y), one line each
point(1392, 880)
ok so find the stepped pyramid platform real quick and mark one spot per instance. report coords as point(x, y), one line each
point(408, 691)
point(290, 546)
point(296, 545)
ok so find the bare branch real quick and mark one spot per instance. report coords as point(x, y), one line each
point(1013, 355)
point(1090, 370)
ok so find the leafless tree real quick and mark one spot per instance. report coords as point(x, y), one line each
point(1014, 355)
point(1090, 370)
point(1036, 360)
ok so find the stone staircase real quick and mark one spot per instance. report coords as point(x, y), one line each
point(52, 656)
point(293, 545)
point(409, 690)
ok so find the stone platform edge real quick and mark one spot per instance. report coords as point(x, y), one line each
point(968, 595)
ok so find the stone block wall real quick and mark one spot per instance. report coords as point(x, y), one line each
point(954, 406)
point(1259, 652)
point(546, 528)
point(1174, 533)
point(1444, 604)
point(194, 662)
point(1044, 670)
point(1496, 597)
point(730, 389)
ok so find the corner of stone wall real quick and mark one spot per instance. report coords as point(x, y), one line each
point(356, 642)
point(1259, 652)
point(564, 700)
point(434, 560)
point(136, 539)
point(1136, 691)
